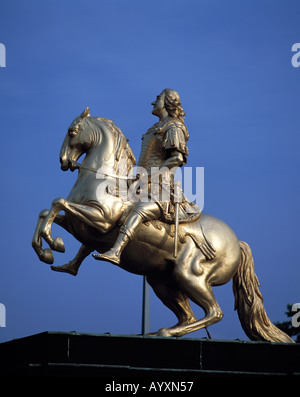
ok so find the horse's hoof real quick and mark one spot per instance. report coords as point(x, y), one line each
point(58, 245)
point(47, 256)
point(64, 269)
point(163, 332)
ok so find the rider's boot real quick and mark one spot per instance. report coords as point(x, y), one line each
point(126, 233)
point(114, 254)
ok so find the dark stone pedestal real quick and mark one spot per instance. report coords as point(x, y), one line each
point(72, 354)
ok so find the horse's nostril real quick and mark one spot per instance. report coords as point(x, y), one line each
point(64, 164)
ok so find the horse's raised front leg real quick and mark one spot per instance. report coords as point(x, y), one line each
point(91, 216)
point(45, 255)
point(73, 266)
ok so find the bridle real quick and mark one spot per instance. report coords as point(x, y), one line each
point(99, 171)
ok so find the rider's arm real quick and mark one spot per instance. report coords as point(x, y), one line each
point(175, 159)
point(175, 146)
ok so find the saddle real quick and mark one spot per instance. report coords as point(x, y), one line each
point(200, 239)
point(188, 212)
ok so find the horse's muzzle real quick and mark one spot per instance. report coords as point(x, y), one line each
point(65, 164)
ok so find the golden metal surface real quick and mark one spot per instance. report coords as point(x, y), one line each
point(208, 252)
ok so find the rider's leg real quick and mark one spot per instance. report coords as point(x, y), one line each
point(141, 212)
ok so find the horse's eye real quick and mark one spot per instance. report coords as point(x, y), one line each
point(72, 131)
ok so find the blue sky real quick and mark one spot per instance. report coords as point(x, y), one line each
point(230, 61)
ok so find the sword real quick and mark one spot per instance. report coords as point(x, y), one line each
point(176, 201)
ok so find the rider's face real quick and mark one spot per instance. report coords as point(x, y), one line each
point(158, 105)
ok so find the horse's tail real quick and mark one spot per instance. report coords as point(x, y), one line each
point(249, 302)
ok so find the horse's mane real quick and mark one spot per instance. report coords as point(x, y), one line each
point(122, 149)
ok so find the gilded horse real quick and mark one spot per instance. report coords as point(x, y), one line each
point(209, 253)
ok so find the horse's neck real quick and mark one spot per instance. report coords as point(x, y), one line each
point(110, 150)
point(101, 153)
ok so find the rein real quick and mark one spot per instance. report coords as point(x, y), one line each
point(81, 166)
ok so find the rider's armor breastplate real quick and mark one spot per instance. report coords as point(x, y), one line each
point(152, 153)
point(162, 136)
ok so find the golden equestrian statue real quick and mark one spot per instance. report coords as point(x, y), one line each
point(139, 224)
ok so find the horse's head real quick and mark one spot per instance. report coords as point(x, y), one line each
point(77, 141)
point(100, 139)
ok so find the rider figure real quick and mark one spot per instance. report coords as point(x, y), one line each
point(163, 145)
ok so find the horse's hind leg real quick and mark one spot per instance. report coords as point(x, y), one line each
point(170, 295)
point(202, 295)
point(190, 273)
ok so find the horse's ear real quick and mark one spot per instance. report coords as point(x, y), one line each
point(85, 113)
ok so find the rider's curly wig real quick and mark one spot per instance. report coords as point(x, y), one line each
point(173, 104)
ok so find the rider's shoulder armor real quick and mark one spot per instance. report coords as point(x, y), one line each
point(176, 136)
point(162, 136)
